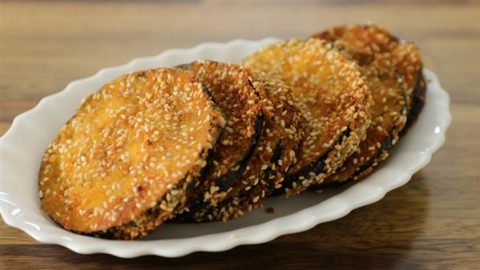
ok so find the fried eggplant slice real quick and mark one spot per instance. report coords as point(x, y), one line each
point(122, 164)
point(275, 153)
point(333, 98)
point(405, 56)
point(231, 86)
point(371, 47)
point(407, 60)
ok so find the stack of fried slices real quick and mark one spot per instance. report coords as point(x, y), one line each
point(209, 141)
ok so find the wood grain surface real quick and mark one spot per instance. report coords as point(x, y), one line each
point(431, 223)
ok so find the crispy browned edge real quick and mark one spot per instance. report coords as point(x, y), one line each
point(249, 194)
point(383, 151)
point(294, 182)
point(197, 208)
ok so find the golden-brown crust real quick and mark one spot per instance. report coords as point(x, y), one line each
point(405, 56)
point(122, 163)
point(231, 86)
point(275, 153)
point(408, 61)
point(371, 47)
point(361, 41)
point(333, 97)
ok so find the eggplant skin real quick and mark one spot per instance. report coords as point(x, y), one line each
point(156, 215)
point(149, 221)
point(231, 177)
point(418, 101)
point(232, 87)
point(245, 199)
point(418, 95)
point(317, 167)
point(224, 182)
point(274, 153)
point(367, 168)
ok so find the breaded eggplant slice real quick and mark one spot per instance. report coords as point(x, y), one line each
point(405, 57)
point(333, 98)
point(275, 153)
point(408, 61)
point(371, 47)
point(231, 86)
point(122, 164)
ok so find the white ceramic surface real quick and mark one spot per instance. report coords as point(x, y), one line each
point(22, 146)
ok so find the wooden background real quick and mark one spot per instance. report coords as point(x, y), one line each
point(431, 223)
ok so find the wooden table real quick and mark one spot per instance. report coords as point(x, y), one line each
point(431, 223)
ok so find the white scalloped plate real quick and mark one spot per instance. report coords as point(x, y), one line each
point(22, 146)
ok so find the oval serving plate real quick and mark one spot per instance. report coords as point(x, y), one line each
point(22, 147)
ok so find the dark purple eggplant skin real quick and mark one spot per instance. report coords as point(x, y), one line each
point(317, 167)
point(228, 179)
point(418, 101)
point(244, 195)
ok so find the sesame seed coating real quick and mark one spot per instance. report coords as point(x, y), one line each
point(405, 56)
point(122, 163)
point(334, 100)
point(408, 61)
point(281, 136)
point(231, 86)
point(371, 47)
